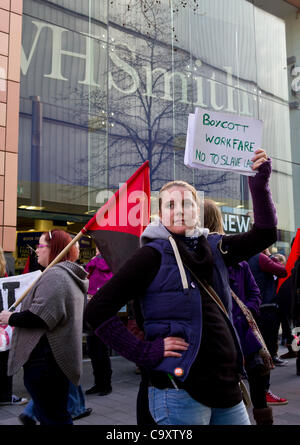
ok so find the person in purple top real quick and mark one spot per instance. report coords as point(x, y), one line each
point(244, 286)
point(98, 274)
point(265, 268)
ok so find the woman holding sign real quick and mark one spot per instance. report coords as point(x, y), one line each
point(47, 339)
point(179, 276)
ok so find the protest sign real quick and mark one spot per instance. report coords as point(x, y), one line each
point(11, 288)
point(222, 141)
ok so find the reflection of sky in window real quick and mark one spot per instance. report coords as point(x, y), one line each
point(218, 59)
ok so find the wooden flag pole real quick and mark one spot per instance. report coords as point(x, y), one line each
point(83, 231)
point(55, 261)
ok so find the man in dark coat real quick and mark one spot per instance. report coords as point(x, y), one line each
point(264, 267)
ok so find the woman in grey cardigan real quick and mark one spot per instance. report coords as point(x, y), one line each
point(47, 339)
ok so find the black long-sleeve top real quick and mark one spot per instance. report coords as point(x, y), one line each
point(26, 319)
point(133, 279)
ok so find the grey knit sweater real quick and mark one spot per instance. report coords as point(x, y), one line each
point(58, 299)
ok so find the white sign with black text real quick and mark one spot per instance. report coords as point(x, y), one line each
point(11, 288)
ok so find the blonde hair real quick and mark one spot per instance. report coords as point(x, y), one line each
point(2, 263)
point(212, 216)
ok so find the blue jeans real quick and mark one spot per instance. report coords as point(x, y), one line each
point(177, 407)
point(76, 402)
point(30, 411)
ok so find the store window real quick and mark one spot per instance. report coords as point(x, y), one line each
point(106, 85)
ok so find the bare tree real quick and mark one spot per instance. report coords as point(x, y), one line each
point(143, 122)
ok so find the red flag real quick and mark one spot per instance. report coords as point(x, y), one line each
point(293, 256)
point(27, 265)
point(119, 223)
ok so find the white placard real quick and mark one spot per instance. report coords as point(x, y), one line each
point(222, 141)
point(11, 288)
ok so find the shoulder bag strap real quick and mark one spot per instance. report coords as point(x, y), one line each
point(179, 263)
point(211, 292)
point(250, 319)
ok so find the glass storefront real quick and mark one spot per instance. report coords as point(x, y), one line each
point(108, 84)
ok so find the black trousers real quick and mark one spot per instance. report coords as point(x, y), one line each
point(268, 323)
point(287, 327)
point(258, 385)
point(284, 298)
point(5, 380)
point(47, 385)
point(100, 359)
point(143, 415)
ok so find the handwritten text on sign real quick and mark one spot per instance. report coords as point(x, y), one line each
point(223, 141)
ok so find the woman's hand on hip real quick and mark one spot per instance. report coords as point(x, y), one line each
point(173, 344)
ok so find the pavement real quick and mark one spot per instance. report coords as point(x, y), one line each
point(119, 407)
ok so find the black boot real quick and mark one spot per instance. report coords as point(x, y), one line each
point(263, 416)
point(290, 353)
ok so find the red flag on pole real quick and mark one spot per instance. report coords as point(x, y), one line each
point(293, 256)
point(27, 265)
point(118, 224)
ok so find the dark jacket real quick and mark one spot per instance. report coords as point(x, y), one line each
point(264, 269)
point(295, 288)
point(169, 309)
point(98, 273)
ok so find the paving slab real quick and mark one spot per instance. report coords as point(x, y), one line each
point(119, 407)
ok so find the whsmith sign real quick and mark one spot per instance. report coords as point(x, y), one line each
point(202, 86)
